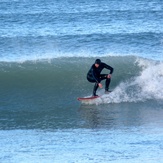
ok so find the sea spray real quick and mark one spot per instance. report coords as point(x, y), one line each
point(146, 86)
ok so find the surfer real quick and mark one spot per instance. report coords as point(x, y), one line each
point(94, 75)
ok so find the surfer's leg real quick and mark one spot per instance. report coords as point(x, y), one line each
point(107, 81)
point(95, 89)
point(92, 80)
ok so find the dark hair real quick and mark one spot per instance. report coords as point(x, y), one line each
point(98, 61)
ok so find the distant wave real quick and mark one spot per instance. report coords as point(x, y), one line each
point(33, 48)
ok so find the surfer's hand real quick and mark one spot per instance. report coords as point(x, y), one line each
point(100, 85)
point(109, 76)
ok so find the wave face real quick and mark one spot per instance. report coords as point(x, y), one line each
point(62, 80)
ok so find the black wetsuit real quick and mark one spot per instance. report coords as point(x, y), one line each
point(94, 76)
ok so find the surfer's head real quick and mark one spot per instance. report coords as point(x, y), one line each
point(97, 62)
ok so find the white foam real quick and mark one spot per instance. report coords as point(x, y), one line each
point(48, 56)
point(151, 80)
point(146, 86)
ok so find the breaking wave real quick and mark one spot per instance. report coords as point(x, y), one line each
point(135, 79)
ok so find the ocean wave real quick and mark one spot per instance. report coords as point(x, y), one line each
point(48, 47)
point(135, 79)
point(140, 88)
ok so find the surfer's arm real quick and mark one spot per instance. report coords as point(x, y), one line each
point(109, 68)
point(95, 77)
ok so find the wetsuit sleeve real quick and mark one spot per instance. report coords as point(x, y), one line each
point(109, 68)
point(92, 75)
point(95, 76)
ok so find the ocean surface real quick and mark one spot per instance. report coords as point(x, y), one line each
point(46, 50)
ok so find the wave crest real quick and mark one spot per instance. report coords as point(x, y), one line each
point(146, 86)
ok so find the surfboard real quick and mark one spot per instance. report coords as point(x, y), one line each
point(87, 98)
point(90, 98)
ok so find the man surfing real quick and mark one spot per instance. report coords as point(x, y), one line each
point(94, 75)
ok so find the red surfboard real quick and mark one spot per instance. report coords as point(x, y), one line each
point(87, 98)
